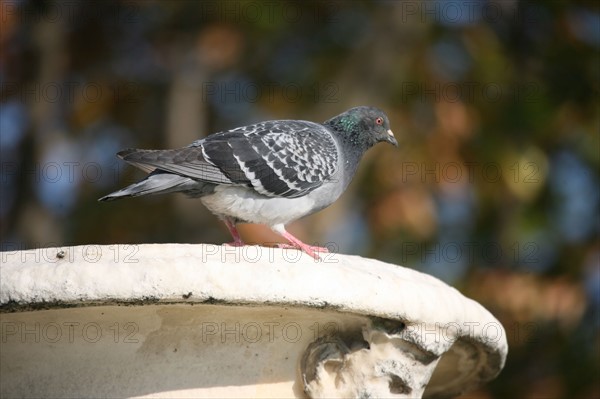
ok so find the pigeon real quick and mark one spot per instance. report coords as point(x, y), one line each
point(271, 173)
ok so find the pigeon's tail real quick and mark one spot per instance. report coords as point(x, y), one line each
point(157, 182)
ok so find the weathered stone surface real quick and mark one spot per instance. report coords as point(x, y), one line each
point(206, 321)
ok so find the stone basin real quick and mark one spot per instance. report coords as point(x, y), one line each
point(182, 320)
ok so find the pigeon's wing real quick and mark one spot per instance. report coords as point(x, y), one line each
point(275, 158)
point(188, 162)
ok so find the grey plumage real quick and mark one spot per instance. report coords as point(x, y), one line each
point(271, 172)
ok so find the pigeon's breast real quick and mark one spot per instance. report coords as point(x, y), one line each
point(247, 205)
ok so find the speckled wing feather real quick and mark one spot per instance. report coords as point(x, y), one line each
point(276, 158)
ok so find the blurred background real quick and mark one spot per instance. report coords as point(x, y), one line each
point(494, 188)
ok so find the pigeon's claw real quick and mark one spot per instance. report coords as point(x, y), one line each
point(295, 243)
point(237, 240)
point(313, 251)
point(311, 247)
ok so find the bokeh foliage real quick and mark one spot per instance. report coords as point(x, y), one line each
point(494, 189)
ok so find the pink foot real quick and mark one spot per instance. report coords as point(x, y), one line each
point(311, 247)
point(295, 243)
point(237, 240)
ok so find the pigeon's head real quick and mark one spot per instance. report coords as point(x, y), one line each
point(363, 127)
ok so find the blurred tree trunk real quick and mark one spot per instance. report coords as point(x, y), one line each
point(46, 97)
point(187, 122)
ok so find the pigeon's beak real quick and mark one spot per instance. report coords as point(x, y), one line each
point(391, 139)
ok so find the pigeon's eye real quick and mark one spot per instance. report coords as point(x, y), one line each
point(379, 121)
